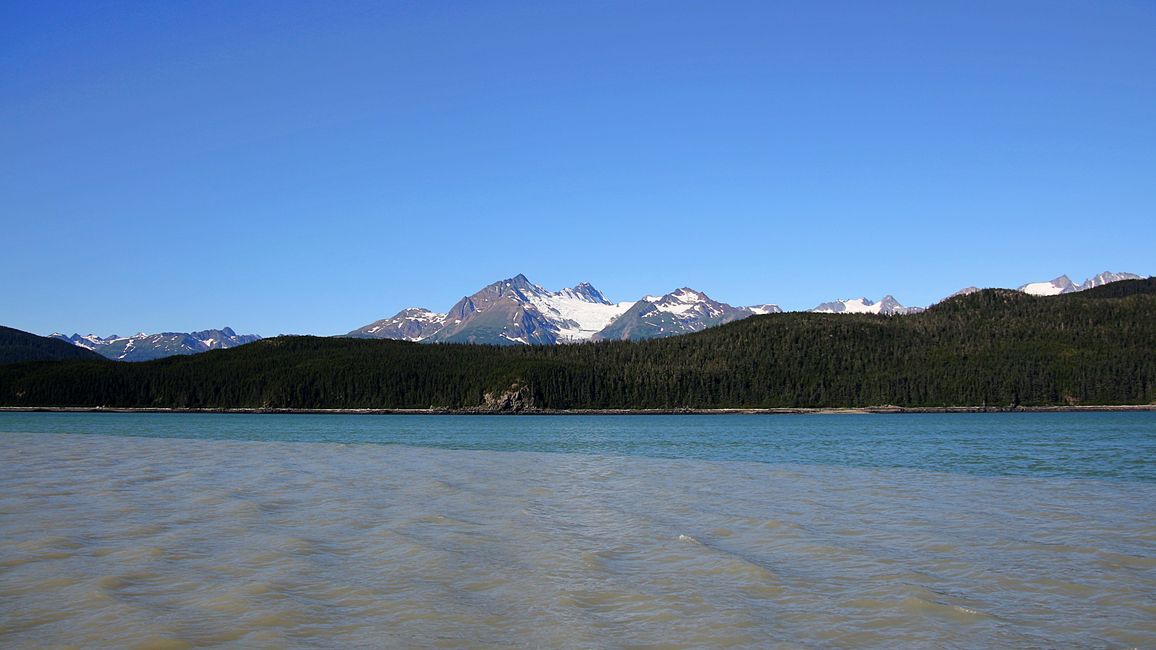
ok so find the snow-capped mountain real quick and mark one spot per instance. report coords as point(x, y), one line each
point(1064, 284)
point(1107, 277)
point(759, 310)
point(687, 302)
point(144, 347)
point(679, 312)
point(517, 311)
point(888, 306)
point(412, 324)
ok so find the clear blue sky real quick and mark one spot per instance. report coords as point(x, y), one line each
point(287, 167)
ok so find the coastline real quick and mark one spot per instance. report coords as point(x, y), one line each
point(866, 410)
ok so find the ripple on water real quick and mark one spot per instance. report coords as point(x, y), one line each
point(171, 543)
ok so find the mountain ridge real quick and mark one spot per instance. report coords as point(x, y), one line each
point(17, 346)
point(1063, 284)
point(146, 347)
point(887, 306)
point(516, 311)
point(995, 347)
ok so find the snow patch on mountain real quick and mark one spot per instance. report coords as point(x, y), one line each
point(409, 324)
point(1055, 287)
point(516, 310)
point(760, 310)
point(888, 306)
point(687, 303)
point(577, 313)
point(1064, 284)
point(144, 347)
point(1107, 277)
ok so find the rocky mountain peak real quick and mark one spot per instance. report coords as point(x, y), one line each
point(1056, 286)
point(1106, 277)
point(586, 292)
point(765, 308)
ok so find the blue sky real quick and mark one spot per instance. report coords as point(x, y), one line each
point(288, 167)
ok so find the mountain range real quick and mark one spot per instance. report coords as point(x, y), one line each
point(1064, 284)
point(145, 347)
point(516, 311)
point(888, 306)
point(994, 347)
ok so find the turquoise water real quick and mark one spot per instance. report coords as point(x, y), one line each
point(1112, 445)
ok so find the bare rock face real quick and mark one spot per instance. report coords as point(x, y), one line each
point(517, 399)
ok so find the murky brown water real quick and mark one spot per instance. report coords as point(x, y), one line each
point(111, 541)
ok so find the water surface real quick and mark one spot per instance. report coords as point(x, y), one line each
point(848, 531)
point(1093, 445)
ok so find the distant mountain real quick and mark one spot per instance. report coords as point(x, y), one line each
point(145, 347)
point(1064, 284)
point(759, 310)
point(1061, 285)
point(1055, 287)
point(517, 311)
point(888, 306)
point(678, 312)
point(1107, 277)
point(17, 346)
point(412, 324)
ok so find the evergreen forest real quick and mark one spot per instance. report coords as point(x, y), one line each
point(994, 347)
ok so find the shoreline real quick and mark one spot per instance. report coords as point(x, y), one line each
point(866, 410)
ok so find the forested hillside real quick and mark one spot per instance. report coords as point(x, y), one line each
point(993, 347)
point(17, 346)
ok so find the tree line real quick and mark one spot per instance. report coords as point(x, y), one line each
point(994, 347)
